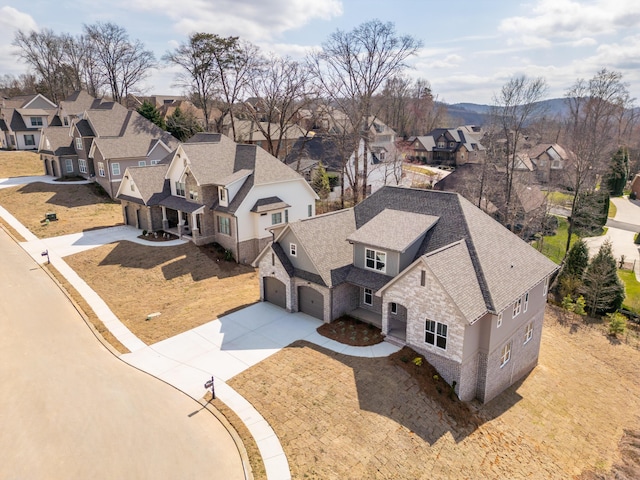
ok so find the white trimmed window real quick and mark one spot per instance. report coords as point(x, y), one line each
point(526, 301)
point(293, 249)
point(375, 260)
point(286, 216)
point(133, 187)
point(276, 218)
point(82, 165)
point(528, 334)
point(505, 354)
point(517, 307)
point(142, 163)
point(115, 169)
point(155, 162)
point(29, 140)
point(180, 192)
point(68, 163)
point(499, 323)
point(367, 297)
point(309, 210)
point(193, 195)
point(435, 333)
point(224, 225)
point(394, 308)
point(79, 143)
point(36, 121)
point(101, 169)
point(222, 194)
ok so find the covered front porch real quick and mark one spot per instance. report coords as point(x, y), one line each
point(397, 324)
point(181, 218)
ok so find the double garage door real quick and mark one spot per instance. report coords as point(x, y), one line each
point(310, 301)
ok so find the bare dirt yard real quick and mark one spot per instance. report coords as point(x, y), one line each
point(20, 164)
point(77, 207)
point(186, 284)
point(341, 417)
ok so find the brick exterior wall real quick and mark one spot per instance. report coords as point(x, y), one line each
point(267, 268)
point(345, 298)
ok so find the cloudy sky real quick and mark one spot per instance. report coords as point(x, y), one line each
point(471, 48)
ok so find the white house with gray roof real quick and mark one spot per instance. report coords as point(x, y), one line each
point(431, 270)
point(22, 119)
point(211, 189)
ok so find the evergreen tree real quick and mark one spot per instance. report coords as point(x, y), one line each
point(618, 173)
point(603, 290)
point(590, 213)
point(183, 125)
point(151, 113)
point(570, 279)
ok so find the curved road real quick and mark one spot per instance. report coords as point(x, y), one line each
point(70, 409)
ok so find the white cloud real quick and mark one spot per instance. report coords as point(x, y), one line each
point(12, 20)
point(254, 20)
point(571, 19)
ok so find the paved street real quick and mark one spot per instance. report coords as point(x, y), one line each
point(70, 409)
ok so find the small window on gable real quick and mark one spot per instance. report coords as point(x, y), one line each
point(133, 187)
point(36, 121)
point(293, 249)
point(193, 195)
point(273, 259)
point(375, 260)
point(423, 278)
point(499, 323)
point(394, 308)
point(286, 216)
point(222, 192)
point(79, 143)
point(309, 210)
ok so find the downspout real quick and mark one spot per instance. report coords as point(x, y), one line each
point(237, 239)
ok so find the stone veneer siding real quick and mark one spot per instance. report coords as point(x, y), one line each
point(269, 268)
point(524, 357)
point(345, 297)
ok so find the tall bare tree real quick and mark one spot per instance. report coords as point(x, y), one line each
point(591, 131)
point(352, 66)
point(122, 62)
point(282, 88)
point(517, 103)
point(44, 52)
point(199, 75)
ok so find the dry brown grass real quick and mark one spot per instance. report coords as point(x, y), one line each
point(87, 311)
point(12, 231)
point(78, 207)
point(341, 417)
point(20, 164)
point(184, 283)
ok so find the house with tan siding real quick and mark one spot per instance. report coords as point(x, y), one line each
point(431, 270)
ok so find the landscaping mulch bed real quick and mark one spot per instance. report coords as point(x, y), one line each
point(433, 385)
point(351, 331)
point(159, 236)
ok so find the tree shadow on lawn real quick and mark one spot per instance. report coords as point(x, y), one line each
point(69, 196)
point(176, 261)
point(386, 389)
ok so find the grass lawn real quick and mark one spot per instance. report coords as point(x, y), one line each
point(612, 209)
point(78, 208)
point(418, 169)
point(20, 164)
point(631, 289)
point(553, 246)
point(186, 284)
point(560, 199)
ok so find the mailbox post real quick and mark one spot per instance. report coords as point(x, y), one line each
point(210, 385)
point(46, 254)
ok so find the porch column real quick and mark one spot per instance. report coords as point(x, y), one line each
point(180, 223)
point(165, 221)
point(385, 317)
point(195, 231)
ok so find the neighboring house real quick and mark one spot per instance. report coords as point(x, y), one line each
point(22, 119)
point(107, 139)
point(167, 105)
point(635, 185)
point(251, 132)
point(550, 162)
point(211, 189)
point(429, 268)
point(447, 146)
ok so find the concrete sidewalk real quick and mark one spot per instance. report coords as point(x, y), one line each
point(16, 181)
point(221, 348)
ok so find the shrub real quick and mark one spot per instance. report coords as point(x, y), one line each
point(578, 307)
point(617, 324)
point(636, 239)
point(417, 361)
point(144, 232)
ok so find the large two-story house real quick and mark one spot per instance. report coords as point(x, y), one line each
point(447, 146)
point(431, 270)
point(211, 189)
point(22, 119)
point(106, 138)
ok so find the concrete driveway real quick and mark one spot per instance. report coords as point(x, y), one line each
point(71, 409)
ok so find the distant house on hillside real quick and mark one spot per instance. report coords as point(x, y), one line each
point(447, 146)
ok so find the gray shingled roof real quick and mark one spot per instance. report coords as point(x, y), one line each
point(453, 268)
point(56, 140)
point(393, 229)
point(84, 128)
point(267, 204)
point(78, 102)
point(324, 240)
point(108, 119)
point(147, 179)
point(504, 264)
point(179, 203)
